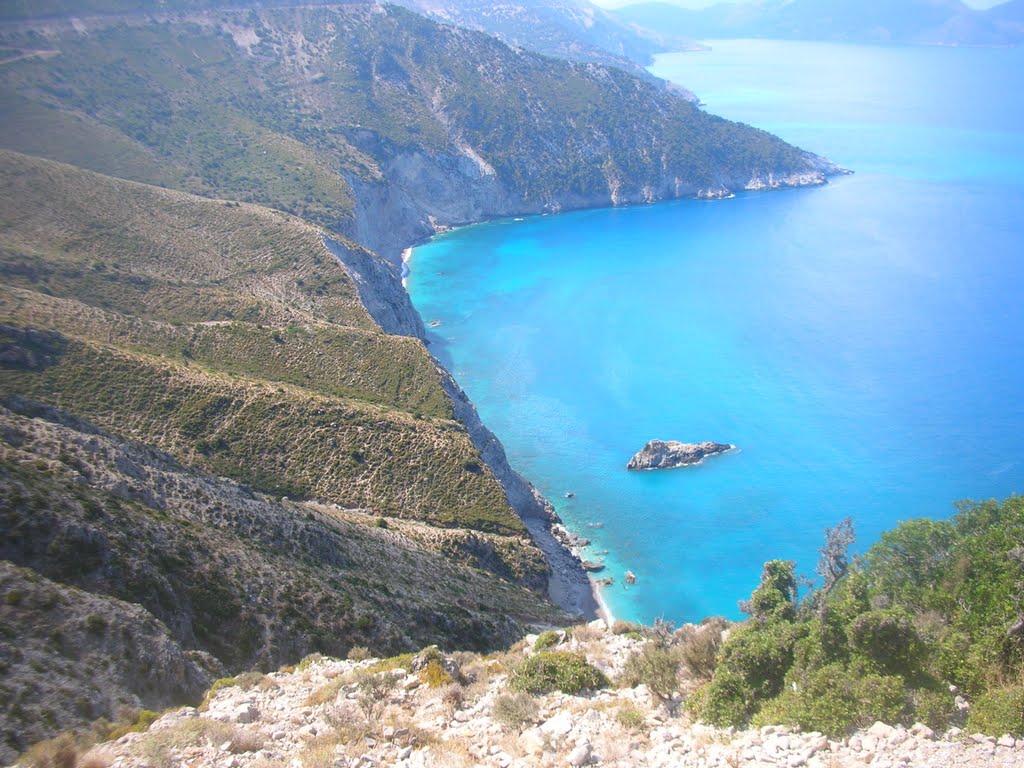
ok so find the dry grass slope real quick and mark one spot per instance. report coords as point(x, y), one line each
point(231, 336)
point(279, 439)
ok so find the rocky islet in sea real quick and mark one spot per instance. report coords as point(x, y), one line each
point(669, 454)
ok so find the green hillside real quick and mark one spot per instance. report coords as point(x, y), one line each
point(231, 337)
point(292, 108)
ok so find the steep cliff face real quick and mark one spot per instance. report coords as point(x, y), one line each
point(380, 288)
point(528, 135)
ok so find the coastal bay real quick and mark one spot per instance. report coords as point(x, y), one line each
point(858, 341)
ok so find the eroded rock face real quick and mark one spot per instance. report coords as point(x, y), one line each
point(669, 454)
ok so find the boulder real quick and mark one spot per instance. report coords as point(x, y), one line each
point(581, 755)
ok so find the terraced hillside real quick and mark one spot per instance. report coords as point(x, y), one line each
point(229, 337)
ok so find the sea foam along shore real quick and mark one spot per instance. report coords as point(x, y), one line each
point(603, 611)
point(406, 256)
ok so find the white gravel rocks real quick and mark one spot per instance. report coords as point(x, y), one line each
point(276, 724)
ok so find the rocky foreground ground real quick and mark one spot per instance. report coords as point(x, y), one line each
point(319, 715)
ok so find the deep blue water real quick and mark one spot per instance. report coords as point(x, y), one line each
point(861, 343)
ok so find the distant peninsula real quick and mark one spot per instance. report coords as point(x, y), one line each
point(670, 454)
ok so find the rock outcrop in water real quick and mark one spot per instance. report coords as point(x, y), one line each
point(669, 454)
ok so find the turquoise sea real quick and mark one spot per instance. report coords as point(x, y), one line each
point(862, 343)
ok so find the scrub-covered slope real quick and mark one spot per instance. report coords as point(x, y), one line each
point(228, 343)
point(231, 336)
point(370, 120)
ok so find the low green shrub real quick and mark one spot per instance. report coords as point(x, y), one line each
point(557, 671)
point(547, 639)
point(727, 700)
point(309, 661)
point(933, 707)
point(434, 675)
point(402, 661)
point(999, 711)
point(141, 722)
point(696, 701)
point(836, 701)
point(655, 666)
point(245, 681)
point(514, 710)
point(630, 717)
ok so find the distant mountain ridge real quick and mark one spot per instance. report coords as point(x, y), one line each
point(571, 29)
point(576, 30)
point(269, 106)
point(931, 22)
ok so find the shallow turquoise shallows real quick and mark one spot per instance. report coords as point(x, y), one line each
point(862, 343)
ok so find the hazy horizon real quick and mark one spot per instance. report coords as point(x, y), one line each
point(697, 4)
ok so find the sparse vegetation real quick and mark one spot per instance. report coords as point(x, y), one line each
point(139, 723)
point(434, 675)
point(655, 665)
point(627, 628)
point(514, 711)
point(699, 646)
point(358, 653)
point(230, 556)
point(60, 752)
point(547, 639)
point(158, 748)
point(245, 681)
point(563, 671)
point(630, 717)
point(373, 690)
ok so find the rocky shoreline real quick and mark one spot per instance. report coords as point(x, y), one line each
point(461, 714)
point(382, 285)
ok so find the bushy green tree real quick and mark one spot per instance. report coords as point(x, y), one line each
point(932, 603)
point(775, 596)
point(887, 638)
